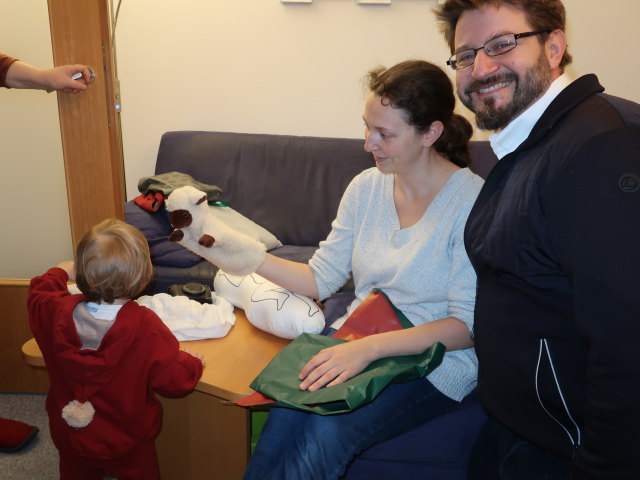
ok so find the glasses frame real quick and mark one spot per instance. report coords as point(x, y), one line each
point(452, 62)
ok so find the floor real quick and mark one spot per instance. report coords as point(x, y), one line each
point(39, 459)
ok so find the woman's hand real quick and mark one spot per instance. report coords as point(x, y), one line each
point(335, 365)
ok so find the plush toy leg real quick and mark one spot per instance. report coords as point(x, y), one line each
point(15, 435)
point(269, 307)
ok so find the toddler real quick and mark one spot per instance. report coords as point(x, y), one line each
point(107, 357)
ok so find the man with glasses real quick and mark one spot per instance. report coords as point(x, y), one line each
point(555, 240)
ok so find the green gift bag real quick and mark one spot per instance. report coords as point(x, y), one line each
point(279, 379)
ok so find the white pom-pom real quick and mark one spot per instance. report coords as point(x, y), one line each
point(77, 414)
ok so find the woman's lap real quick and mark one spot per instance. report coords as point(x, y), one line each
point(300, 445)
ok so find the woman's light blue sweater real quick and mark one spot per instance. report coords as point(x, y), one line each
point(423, 269)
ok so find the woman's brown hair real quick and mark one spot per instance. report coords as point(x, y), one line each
point(425, 94)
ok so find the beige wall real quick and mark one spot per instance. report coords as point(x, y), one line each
point(266, 67)
point(35, 230)
point(250, 66)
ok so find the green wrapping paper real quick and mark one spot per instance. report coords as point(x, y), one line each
point(279, 379)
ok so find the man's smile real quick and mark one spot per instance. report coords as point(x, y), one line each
point(489, 85)
point(493, 87)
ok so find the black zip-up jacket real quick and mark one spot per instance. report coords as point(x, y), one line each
point(554, 237)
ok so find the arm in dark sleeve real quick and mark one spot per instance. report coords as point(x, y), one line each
point(594, 215)
point(5, 62)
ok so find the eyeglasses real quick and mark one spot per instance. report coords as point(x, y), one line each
point(494, 47)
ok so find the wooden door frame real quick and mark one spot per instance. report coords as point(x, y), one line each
point(89, 122)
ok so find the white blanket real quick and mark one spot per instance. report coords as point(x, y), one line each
point(189, 319)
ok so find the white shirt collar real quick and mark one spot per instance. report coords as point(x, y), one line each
point(104, 311)
point(508, 139)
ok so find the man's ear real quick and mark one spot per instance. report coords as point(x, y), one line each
point(432, 134)
point(555, 47)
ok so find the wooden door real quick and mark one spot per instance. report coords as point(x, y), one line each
point(89, 123)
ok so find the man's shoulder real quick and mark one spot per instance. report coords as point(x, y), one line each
point(601, 131)
point(628, 110)
point(592, 106)
point(583, 111)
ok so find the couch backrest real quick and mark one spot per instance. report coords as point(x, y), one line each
point(288, 184)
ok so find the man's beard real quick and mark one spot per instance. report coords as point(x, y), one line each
point(536, 81)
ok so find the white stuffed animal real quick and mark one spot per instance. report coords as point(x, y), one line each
point(268, 306)
point(202, 233)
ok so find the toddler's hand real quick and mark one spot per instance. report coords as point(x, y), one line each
point(199, 356)
point(69, 267)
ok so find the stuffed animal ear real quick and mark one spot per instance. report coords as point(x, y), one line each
point(203, 199)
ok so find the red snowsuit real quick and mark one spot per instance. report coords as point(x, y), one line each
point(137, 356)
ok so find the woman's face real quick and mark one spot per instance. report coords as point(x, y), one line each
point(395, 145)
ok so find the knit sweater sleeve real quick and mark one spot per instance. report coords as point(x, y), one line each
point(461, 284)
point(331, 264)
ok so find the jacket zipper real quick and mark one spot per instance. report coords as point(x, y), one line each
point(575, 442)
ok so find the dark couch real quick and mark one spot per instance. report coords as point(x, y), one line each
point(292, 187)
point(289, 185)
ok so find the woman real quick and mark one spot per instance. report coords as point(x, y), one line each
point(399, 228)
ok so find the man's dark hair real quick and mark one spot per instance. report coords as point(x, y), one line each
point(541, 15)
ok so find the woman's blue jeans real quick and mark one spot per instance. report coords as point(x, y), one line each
point(296, 445)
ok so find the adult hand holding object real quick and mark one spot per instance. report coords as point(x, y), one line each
point(65, 78)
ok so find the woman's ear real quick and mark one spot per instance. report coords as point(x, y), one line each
point(433, 133)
